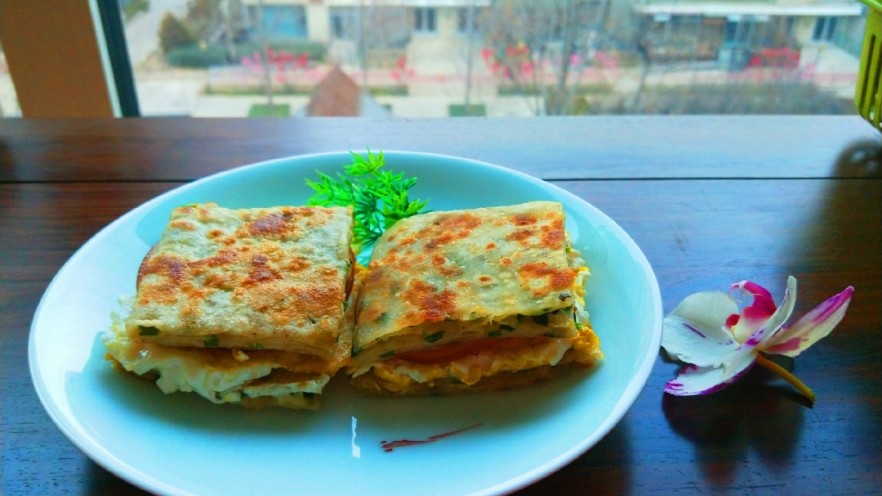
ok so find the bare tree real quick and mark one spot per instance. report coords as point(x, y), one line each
point(540, 47)
point(264, 58)
point(231, 15)
point(470, 49)
point(375, 29)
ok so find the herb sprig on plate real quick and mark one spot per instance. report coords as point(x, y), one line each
point(379, 197)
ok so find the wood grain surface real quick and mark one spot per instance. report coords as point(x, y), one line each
point(711, 201)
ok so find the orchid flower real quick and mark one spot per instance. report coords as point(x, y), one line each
point(720, 344)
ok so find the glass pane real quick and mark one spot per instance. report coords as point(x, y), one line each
point(242, 58)
point(8, 100)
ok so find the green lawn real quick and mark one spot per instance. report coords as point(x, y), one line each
point(264, 110)
point(474, 110)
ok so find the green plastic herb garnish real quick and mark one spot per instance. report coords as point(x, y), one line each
point(379, 197)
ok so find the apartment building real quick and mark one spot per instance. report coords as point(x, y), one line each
point(736, 34)
point(431, 34)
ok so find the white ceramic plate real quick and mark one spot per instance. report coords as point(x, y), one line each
point(182, 444)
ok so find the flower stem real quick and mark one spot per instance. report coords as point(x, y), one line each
point(787, 376)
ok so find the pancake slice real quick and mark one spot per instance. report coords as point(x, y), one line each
point(243, 306)
point(487, 298)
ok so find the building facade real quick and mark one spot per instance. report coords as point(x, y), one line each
point(433, 33)
point(739, 34)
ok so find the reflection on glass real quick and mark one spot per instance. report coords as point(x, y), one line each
point(8, 99)
point(447, 58)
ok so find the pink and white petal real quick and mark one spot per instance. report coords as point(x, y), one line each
point(694, 331)
point(694, 380)
point(753, 316)
point(761, 337)
point(811, 327)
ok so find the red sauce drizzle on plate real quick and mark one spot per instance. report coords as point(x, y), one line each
point(388, 446)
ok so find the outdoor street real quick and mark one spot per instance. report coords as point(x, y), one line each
point(164, 90)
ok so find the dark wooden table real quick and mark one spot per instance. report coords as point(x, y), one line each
point(710, 200)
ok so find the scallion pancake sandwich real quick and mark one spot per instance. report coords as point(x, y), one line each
point(481, 299)
point(244, 306)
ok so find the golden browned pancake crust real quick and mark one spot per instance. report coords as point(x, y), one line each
point(267, 278)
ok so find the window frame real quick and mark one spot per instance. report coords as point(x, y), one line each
point(118, 56)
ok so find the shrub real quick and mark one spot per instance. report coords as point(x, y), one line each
point(565, 102)
point(131, 8)
point(195, 56)
point(203, 17)
point(173, 33)
point(741, 98)
point(317, 51)
point(396, 90)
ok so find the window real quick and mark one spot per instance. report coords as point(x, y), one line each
point(825, 27)
point(283, 21)
point(462, 20)
point(344, 23)
point(738, 31)
point(523, 58)
point(424, 19)
point(337, 26)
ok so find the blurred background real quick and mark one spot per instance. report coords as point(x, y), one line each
point(494, 58)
